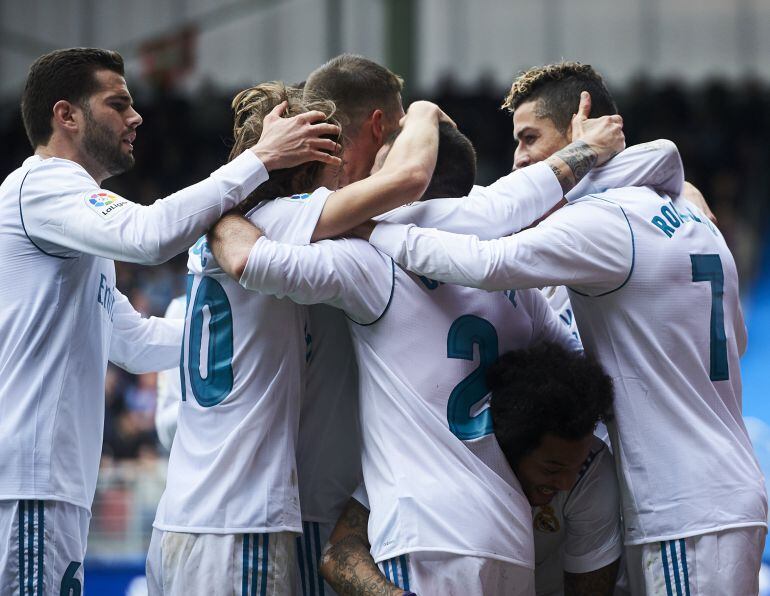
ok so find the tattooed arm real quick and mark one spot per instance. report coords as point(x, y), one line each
point(347, 564)
point(594, 583)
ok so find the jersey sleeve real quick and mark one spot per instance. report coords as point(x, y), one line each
point(546, 324)
point(593, 537)
point(169, 387)
point(291, 219)
point(512, 203)
point(587, 246)
point(348, 274)
point(65, 213)
point(656, 164)
point(141, 345)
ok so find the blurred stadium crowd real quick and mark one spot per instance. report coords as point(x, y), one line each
point(721, 130)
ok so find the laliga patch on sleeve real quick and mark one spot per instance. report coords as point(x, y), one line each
point(104, 203)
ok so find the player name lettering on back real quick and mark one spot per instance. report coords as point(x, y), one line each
point(106, 296)
point(671, 219)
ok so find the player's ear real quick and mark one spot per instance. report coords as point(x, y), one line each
point(66, 116)
point(377, 119)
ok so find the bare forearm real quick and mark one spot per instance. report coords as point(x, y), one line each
point(595, 583)
point(230, 241)
point(351, 570)
point(572, 163)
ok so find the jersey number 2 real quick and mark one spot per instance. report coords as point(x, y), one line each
point(211, 310)
point(465, 332)
point(709, 268)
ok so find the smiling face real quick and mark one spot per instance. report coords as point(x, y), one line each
point(537, 135)
point(552, 467)
point(109, 123)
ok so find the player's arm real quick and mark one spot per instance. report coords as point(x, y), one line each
point(347, 564)
point(656, 164)
point(169, 387)
point(546, 324)
point(141, 345)
point(403, 178)
point(64, 214)
point(345, 273)
point(517, 200)
point(586, 246)
point(594, 583)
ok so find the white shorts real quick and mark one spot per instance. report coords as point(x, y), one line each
point(42, 547)
point(724, 562)
point(310, 545)
point(427, 573)
point(180, 564)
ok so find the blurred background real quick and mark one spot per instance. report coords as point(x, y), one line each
point(696, 74)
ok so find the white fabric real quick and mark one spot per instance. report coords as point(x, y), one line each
point(232, 466)
point(726, 562)
point(329, 442)
point(181, 564)
point(579, 531)
point(452, 575)
point(416, 341)
point(42, 542)
point(62, 317)
point(169, 386)
point(686, 465)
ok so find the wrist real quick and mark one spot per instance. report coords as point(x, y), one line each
point(268, 158)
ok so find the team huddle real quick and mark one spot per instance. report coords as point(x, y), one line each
point(383, 378)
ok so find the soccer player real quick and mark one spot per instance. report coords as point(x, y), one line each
point(434, 496)
point(230, 512)
point(545, 403)
point(655, 292)
point(169, 386)
point(62, 317)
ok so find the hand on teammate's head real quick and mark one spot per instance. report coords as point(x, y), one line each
point(604, 135)
point(288, 142)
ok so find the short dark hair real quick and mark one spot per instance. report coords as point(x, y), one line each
point(546, 389)
point(455, 170)
point(558, 87)
point(251, 106)
point(66, 74)
point(357, 86)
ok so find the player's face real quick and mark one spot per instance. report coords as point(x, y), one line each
point(552, 467)
point(361, 148)
point(110, 122)
point(537, 137)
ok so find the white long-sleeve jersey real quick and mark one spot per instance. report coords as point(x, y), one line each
point(232, 467)
point(62, 317)
point(436, 476)
point(655, 292)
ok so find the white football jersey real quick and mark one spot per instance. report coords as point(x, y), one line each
point(436, 476)
point(62, 317)
point(329, 443)
point(232, 467)
point(579, 530)
point(655, 293)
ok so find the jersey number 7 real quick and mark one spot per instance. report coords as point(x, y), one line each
point(709, 268)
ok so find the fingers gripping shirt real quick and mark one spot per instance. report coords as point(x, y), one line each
point(65, 213)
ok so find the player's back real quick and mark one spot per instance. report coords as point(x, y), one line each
point(671, 337)
point(434, 472)
point(232, 467)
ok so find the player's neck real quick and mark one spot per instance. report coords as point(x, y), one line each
point(65, 149)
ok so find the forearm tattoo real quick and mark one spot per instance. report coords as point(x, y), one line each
point(579, 159)
point(351, 570)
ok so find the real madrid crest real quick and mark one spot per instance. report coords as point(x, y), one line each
point(546, 520)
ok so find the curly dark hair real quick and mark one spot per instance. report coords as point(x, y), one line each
point(546, 389)
point(558, 87)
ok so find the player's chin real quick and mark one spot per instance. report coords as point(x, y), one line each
point(540, 495)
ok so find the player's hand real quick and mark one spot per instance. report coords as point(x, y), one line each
point(692, 194)
point(604, 135)
point(289, 142)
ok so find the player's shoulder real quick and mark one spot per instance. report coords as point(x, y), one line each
point(598, 466)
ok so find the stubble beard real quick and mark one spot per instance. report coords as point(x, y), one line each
point(100, 144)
